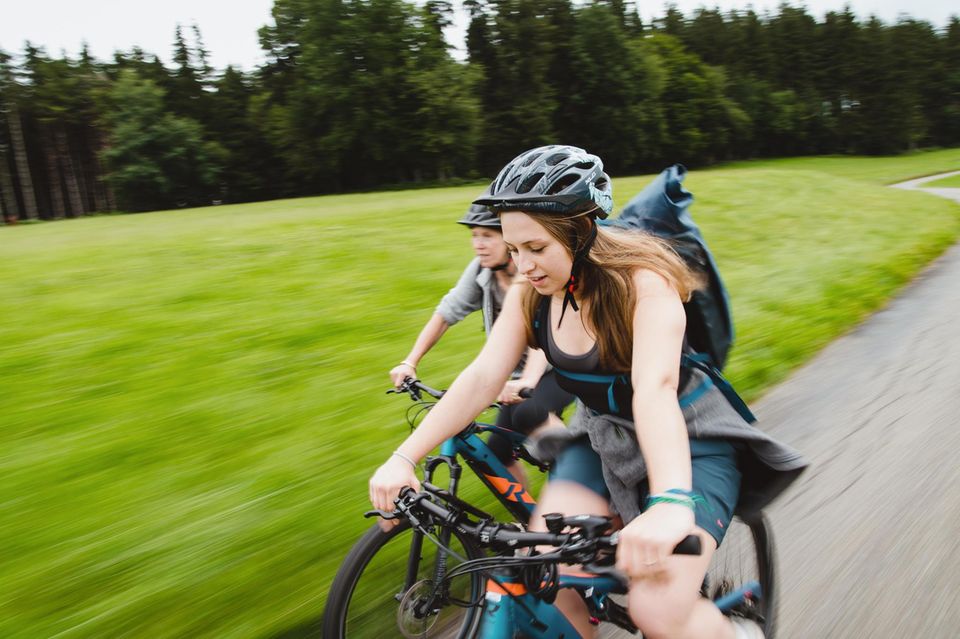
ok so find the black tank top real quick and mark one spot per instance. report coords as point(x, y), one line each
point(604, 391)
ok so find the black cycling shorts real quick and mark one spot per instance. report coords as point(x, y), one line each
point(525, 416)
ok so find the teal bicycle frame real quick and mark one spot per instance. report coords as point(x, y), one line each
point(508, 607)
point(505, 615)
point(487, 467)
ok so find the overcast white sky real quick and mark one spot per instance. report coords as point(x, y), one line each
point(229, 27)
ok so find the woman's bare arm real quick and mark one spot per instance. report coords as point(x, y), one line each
point(478, 385)
point(658, 327)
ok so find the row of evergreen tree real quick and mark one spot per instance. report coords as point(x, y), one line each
point(359, 94)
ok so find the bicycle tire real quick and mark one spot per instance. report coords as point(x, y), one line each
point(352, 615)
point(747, 553)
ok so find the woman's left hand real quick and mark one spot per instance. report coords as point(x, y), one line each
point(647, 541)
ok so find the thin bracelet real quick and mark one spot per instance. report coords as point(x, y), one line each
point(653, 500)
point(405, 458)
point(406, 363)
point(679, 496)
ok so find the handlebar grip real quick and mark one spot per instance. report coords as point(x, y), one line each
point(526, 393)
point(689, 545)
point(433, 392)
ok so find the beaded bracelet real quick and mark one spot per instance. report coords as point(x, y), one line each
point(406, 363)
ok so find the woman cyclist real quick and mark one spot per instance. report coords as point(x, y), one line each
point(604, 304)
point(483, 286)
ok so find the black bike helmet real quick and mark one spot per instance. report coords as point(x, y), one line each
point(552, 179)
point(478, 215)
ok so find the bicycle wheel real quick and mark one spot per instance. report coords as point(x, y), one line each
point(380, 588)
point(742, 573)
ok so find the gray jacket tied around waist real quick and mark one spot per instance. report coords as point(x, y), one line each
point(768, 466)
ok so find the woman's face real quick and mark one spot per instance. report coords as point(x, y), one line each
point(544, 261)
point(489, 246)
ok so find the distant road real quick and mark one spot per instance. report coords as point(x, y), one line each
point(869, 538)
point(917, 185)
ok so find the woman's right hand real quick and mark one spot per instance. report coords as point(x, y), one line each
point(385, 486)
point(400, 372)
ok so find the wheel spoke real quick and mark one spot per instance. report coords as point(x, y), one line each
point(741, 578)
point(369, 598)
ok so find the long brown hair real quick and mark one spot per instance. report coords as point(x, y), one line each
point(606, 281)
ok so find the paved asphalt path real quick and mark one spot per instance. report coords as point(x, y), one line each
point(868, 540)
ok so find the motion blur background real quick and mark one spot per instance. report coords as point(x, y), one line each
point(193, 399)
point(359, 95)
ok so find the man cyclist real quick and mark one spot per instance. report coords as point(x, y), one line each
point(483, 286)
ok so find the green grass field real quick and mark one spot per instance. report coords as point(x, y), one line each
point(193, 400)
point(952, 182)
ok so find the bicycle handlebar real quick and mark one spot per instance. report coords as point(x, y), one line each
point(581, 544)
point(414, 387)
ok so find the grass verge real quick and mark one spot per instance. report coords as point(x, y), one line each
point(193, 400)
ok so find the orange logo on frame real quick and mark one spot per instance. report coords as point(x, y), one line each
point(510, 489)
point(506, 588)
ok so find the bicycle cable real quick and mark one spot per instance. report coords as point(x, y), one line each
point(416, 411)
point(480, 566)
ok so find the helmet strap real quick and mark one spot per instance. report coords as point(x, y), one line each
point(573, 283)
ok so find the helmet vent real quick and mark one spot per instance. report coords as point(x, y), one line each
point(531, 159)
point(529, 183)
point(562, 183)
point(555, 159)
point(556, 179)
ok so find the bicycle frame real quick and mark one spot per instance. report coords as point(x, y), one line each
point(486, 466)
point(509, 608)
point(504, 615)
point(490, 470)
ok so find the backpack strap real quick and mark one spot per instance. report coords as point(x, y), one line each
point(610, 380)
point(696, 393)
point(540, 326)
point(702, 362)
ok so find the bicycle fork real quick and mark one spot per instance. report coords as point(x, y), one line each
point(509, 608)
point(416, 546)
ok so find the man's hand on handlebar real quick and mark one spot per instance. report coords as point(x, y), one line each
point(400, 372)
point(514, 391)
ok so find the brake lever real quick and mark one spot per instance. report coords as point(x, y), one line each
point(382, 514)
point(407, 387)
point(396, 514)
point(393, 514)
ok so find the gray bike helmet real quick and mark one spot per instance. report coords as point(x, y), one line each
point(478, 215)
point(552, 179)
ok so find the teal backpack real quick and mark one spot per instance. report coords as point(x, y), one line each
point(662, 209)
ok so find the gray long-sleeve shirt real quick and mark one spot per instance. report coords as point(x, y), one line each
point(477, 289)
